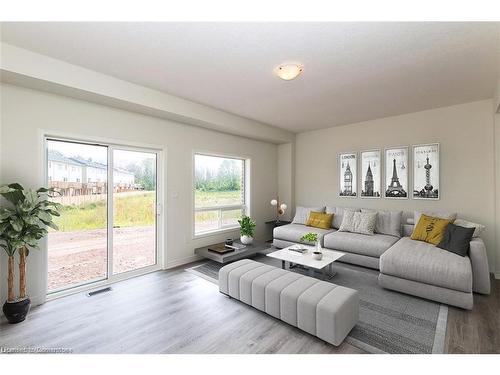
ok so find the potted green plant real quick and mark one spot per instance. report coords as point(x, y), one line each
point(312, 239)
point(22, 225)
point(247, 229)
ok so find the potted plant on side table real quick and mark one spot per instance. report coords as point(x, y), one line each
point(247, 229)
point(22, 225)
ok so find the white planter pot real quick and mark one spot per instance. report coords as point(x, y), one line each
point(246, 240)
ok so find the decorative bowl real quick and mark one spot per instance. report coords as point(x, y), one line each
point(317, 255)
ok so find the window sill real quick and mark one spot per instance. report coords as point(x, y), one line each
point(215, 232)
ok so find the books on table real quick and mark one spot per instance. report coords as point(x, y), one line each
point(222, 248)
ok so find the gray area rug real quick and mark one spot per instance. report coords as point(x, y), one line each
point(389, 322)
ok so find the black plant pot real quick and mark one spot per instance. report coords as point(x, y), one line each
point(16, 312)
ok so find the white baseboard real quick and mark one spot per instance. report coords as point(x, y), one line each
point(37, 300)
point(182, 261)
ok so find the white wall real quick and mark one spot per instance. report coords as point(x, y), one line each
point(497, 191)
point(24, 112)
point(286, 179)
point(26, 68)
point(496, 99)
point(466, 135)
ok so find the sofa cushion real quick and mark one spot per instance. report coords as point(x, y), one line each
point(456, 239)
point(430, 229)
point(319, 220)
point(372, 246)
point(388, 222)
point(359, 222)
point(442, 215)
point(302, 214)
point(293, 232)
point(426, 263)
point(338, 214)
point(478, 228)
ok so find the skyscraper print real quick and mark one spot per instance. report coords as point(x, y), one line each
point(370, 174)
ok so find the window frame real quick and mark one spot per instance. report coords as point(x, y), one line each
point(245, 207)
point(161, 236)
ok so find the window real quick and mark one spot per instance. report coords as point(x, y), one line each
point(219, 193)
point(104, 233)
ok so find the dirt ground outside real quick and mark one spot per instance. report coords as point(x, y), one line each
point(81, 256)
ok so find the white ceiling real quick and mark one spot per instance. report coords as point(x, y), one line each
point(352, 71)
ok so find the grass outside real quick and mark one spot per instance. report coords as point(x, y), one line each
point(136, 210)
point(208, 220)
point(217, 198)
point(139, 210)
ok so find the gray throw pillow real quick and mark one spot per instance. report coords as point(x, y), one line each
point(338, 214)
point(456, 239)
point(358, 222)
point(388, 222)
point(302, 214)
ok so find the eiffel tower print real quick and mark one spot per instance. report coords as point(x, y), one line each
point(395, 190)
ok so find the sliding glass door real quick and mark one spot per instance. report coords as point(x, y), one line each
point(134, 210)
point(78, 252)
point(108, 223)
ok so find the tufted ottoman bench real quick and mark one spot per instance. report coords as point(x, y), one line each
point(323, 309)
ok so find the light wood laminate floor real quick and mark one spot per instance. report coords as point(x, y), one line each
point(177, 312)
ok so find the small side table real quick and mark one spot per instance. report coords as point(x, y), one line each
point(275, 224)
point(231, 256)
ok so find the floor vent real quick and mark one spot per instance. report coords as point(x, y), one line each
point(99, 291)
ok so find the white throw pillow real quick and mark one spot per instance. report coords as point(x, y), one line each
point(388, 222)
point(358, 222)
point(302, 214)
point(467, 224)
point(441, 215)
point(338, 214)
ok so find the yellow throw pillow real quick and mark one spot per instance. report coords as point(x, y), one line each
point(430, 229)
point(319, 220)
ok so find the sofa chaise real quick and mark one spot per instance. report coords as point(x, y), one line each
point(425, 270)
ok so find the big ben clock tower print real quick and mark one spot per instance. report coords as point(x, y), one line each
point(348, 177)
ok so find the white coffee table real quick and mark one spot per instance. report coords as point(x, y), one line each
point(306, 260)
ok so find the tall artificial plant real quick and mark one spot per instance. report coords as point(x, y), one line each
point(23, 223)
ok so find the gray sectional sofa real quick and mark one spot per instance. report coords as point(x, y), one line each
point(406, 265)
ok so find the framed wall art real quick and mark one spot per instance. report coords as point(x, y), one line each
point(426, 171)
point(371, 174)
point(396, 172)
point(348, 176)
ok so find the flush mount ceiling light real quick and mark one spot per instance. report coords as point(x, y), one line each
point(288, 71)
